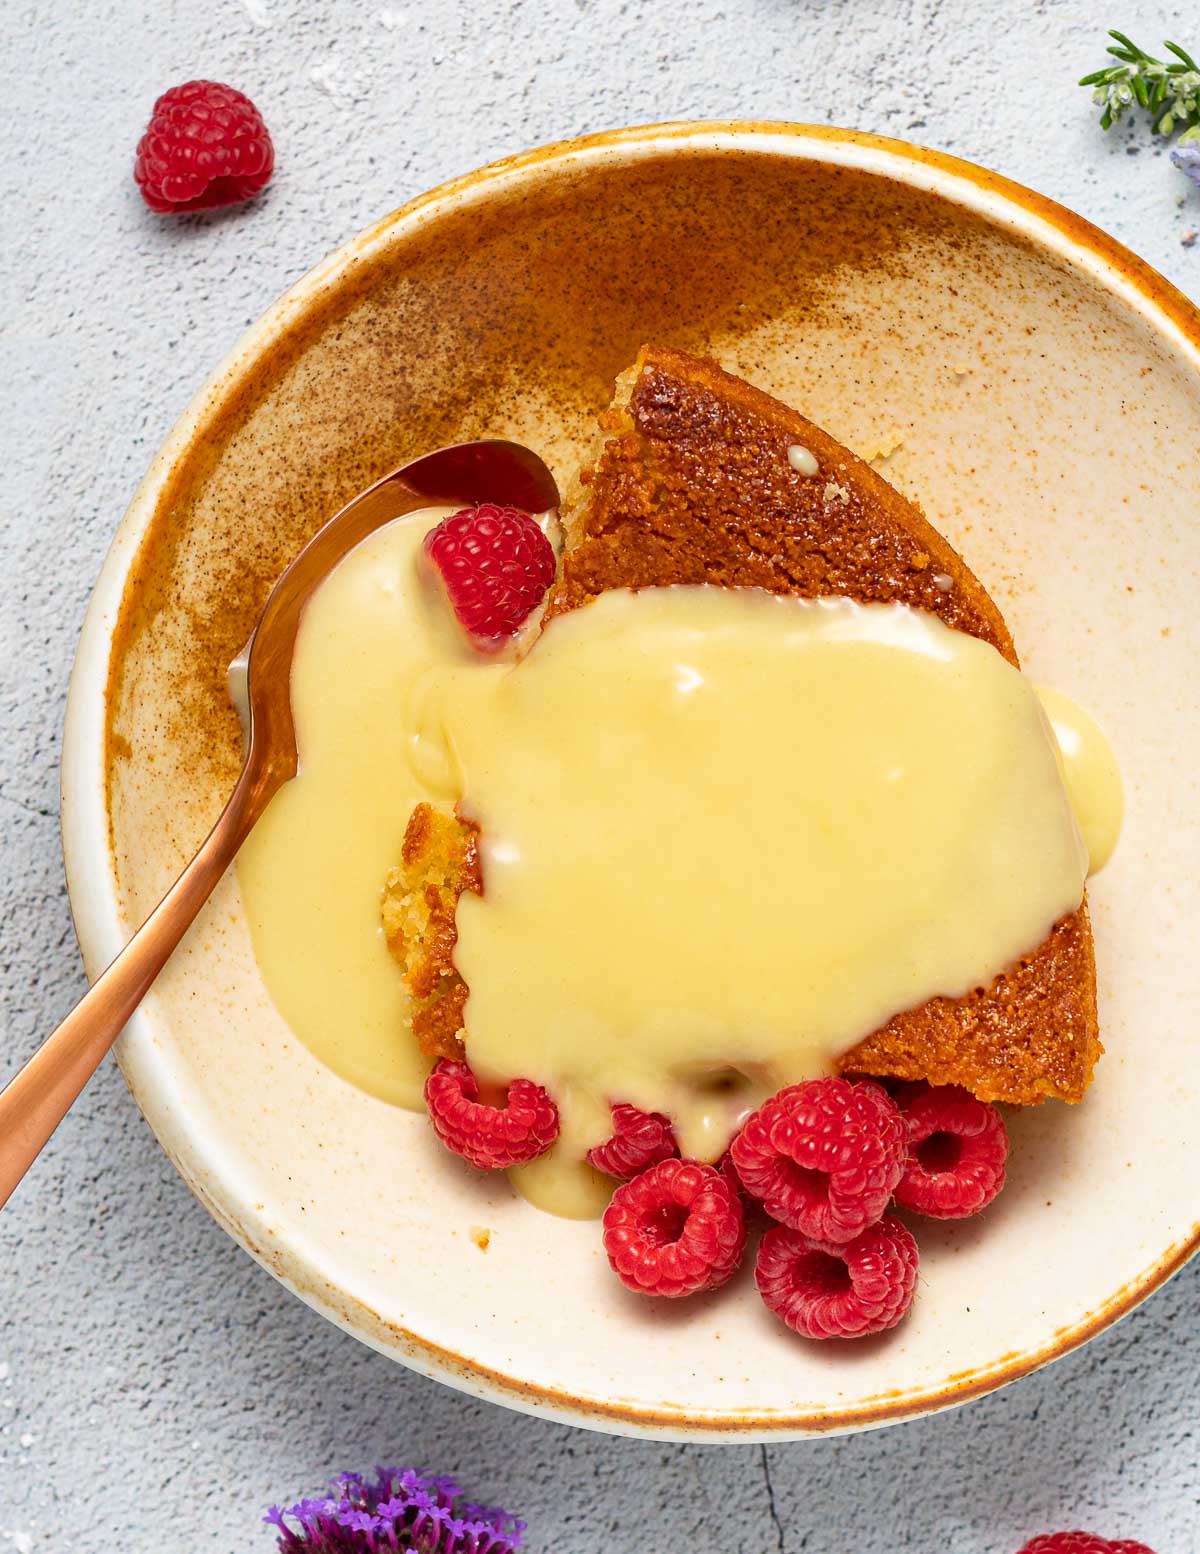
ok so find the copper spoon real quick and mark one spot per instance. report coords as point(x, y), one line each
point(36, 1100)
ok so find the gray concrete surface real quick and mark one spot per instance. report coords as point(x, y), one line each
point(156, 1388)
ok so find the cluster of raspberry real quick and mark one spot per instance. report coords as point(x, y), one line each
point(823, 1160)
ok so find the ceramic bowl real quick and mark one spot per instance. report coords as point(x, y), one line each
point(1039, 388)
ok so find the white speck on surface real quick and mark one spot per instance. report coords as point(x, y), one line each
point(27, 1439)
point(324, 75)
point(331, 76)
point(803, 460)
point(257, 11)
point(1188, 237)
point(392, 20)
point(943, 582)
point(22, 1542)
point(4, 1372)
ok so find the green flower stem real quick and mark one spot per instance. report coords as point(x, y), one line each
point(1169, 89)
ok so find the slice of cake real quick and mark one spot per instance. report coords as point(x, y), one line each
point(699, 478)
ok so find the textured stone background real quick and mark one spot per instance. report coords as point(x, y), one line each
point(156, 1388)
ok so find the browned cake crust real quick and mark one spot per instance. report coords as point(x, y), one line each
point(439, 859)
point(691, 483)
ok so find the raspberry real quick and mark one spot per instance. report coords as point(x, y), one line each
point(205, 145)
point(639, 1139)
point(957, 1149)
point(495, 564)
point(674, 1230)
point(822, 1290)
point(823, 1156)
point(1082, 1543)
point(490, 1137)
point(729, 1171)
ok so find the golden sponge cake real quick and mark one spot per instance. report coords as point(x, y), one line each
point(692, 482)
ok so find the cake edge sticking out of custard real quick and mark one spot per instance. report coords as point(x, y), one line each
point(439, 859)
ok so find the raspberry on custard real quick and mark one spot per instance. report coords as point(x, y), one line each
point(490, 1137)
point(957, 1148)
point(674, 1230)
point(639, 1140)
point(495, 565)
point(838, 1290)
point(206, 145)
point(1082, 1543)
point(823, 1156)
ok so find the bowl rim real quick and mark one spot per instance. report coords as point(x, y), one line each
point(86, 829)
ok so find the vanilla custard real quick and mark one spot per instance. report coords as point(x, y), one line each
point(724, 836)
point(1092, 776)
point(311, 870)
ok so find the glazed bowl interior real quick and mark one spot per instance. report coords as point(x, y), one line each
point(1040, 392)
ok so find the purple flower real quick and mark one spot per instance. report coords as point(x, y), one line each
point(398, 1510)
point(1186, 155)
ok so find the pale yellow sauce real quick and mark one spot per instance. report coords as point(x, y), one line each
point(311, 872)
point(1092, 775)
point(725, 836)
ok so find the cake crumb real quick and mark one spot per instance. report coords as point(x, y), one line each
point(835, 493)
point(919, 560)
point(960, 369)
point(883, 447)
point(481, 1236)
point(1188, 236)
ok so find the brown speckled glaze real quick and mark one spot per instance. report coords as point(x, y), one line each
point(511, 321)
point(1045, 388)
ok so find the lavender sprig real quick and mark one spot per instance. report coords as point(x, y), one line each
point(398, 1510)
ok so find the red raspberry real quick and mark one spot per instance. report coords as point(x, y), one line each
point(495, 564)
point(1082, 1543)
point(205, 145)
point(822, 1290)
point(755, 1215)
point(674, 1230)
point(639, 1139)
point(957, 1149)
point(729, 1171)
point(823, 1156)
point(490, 1137)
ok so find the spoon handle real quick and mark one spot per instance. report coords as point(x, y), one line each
point(36, 1100)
